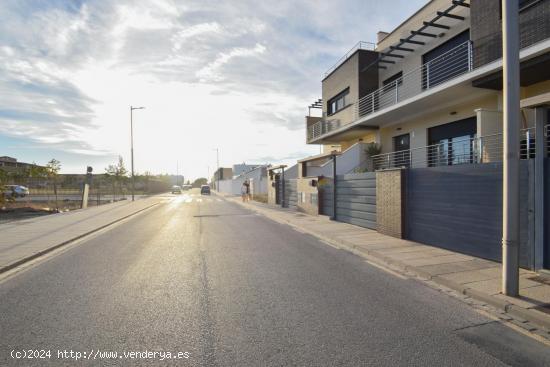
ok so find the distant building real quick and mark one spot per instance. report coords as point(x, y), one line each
point(10, 164)
point(223, 174)
point(239, 169)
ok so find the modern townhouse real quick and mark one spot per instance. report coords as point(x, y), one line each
point(429, 95)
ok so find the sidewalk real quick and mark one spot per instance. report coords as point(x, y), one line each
point(474, 277)
point(21, 241)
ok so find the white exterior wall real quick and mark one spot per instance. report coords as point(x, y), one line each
point(345, 162)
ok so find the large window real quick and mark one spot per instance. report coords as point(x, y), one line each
point(452, 143)
point(446, 61)
point(338, 103)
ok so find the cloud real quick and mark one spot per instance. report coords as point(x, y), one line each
point(211, 72)
point(69, 70)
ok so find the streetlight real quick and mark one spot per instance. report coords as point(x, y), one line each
point(132, 145)
point(510, 164)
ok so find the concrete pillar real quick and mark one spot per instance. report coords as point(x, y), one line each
point(540, 155)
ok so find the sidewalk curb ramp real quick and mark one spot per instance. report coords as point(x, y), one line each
point(66, 242)
point(524, 314)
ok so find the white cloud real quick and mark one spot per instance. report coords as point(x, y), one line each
point(226, 74)
point(211, 72)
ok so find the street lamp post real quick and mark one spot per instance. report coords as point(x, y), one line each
point(510, 190)
point(132, 145)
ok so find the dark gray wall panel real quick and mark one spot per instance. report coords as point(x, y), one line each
point(356, 199)
point(460, 208)
point(291, 194)
point(547, 214)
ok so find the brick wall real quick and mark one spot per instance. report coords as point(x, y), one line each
point(390, 201)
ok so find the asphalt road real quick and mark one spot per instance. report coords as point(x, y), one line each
point(232, 288)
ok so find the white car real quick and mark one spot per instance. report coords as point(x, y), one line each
point(16, 191)
point(176, 189)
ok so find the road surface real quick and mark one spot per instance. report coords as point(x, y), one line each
point(222, 286)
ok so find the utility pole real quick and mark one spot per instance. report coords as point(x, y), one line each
point(132, 146)
point(510, 174)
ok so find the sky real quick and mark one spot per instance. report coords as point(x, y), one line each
point(236, 76)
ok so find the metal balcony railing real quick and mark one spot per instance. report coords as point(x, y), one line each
point(451, 64)
point(483, 149)
point(322, 127)
point(361, 45)
point(429, 75)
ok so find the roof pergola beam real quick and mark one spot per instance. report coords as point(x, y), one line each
point(386, 61)
point(424, 34)
point(461, 3)
point(436, 25)
point(407, 40)
point(399, 48)
point(448, 15)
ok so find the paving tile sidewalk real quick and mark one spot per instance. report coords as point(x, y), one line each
point(474, 277)
point(23, 240)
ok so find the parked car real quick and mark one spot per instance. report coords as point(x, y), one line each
point(176, 189)
point(187, 187)
point(205, 190)
point(15, 191)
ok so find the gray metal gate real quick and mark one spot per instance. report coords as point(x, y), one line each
point(460, 208)
point(325, 196)
point(291, 194)
point(547, 215)
point(356, 199)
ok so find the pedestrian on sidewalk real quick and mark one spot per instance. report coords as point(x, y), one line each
point(245, 191)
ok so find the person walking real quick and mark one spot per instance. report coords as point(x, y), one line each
point(244, 191)
point(247, 183)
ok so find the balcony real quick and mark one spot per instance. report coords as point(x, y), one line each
point(455, 62)
point(474, 150)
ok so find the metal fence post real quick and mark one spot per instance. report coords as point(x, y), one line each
point(333, 187)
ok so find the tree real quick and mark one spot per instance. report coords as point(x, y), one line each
point(200, 181)
point(121, 171)
point(146, 179)
point(116, 174)
point(3, 180)
point(52, 169)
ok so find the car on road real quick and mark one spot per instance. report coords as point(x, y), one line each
point(205, 190)
point(176, 189)
point(15, 191)
point(187, 187)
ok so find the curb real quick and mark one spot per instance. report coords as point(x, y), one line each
point(533, 316)
point(54, 247)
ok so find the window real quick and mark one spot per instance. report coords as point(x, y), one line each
point(446, 61)
point(338, 103)
point(392, 81)
point(393, 78)
point(452, 143)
